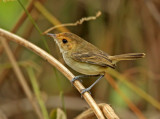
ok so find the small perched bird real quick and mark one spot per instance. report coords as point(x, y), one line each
point(87, 59)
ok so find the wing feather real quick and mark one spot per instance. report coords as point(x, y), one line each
point(99, 58)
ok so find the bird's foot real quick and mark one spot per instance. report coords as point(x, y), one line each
point(85, 90)
point(76, 78)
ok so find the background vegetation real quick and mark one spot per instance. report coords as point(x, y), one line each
point(125, 26)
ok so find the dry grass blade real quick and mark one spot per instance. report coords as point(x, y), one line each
point(57, 64)
point(74, 24)
point(23, 17)
point(15, 29)
point(105, 108)
point(109, 112)
point(20, 77)
point(136, 89)
point(37, 92)
point(126, 99)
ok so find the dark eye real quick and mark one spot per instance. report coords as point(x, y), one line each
point(64, 41)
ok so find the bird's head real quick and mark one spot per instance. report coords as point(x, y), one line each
point(66, 41)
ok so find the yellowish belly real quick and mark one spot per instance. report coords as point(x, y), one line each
point(84, 68)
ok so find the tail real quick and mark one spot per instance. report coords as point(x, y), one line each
point(129, 56)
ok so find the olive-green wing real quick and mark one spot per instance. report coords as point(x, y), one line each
point(100, 58)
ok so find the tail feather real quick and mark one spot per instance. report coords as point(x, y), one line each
point(129, 56)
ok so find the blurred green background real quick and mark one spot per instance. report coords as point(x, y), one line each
point(124, 27)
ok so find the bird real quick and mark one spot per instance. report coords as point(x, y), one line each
point(86, 58)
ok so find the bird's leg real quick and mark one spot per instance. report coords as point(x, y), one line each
point(82, 76)
point(89, 88)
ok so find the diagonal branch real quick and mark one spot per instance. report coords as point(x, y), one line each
point(56, 64)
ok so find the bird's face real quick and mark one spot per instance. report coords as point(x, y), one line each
point(65, 41)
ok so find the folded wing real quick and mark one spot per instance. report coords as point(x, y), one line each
point(97, 58)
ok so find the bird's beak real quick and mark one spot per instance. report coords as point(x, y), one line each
point(51, 35)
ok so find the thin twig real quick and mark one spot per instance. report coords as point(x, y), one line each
point(48, 15)
point(76, 23)
point(20, 76)
point(57, 64)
